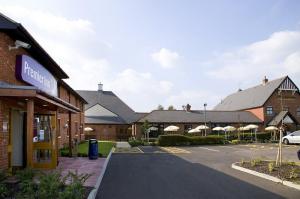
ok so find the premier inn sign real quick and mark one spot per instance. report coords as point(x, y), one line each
point(31, 72)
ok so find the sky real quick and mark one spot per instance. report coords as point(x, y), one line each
point(170, 52)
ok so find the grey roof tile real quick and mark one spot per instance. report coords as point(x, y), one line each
point(251, 97)
point(180, 116)
point(110, 101)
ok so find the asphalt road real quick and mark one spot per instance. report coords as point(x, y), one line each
point(190, 172)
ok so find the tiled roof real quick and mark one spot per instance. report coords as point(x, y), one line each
point(180, 116)
point(250, 98)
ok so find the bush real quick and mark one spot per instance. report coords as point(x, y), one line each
point(173, 140)
point(135, 143)
point(50, 184)
point(181, 140)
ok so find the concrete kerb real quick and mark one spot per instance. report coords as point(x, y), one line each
point(93, 193)
point(265, 176)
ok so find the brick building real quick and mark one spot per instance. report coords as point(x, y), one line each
point(39, 112)
point(108, 117)
point(190, 119)
point(271, 101)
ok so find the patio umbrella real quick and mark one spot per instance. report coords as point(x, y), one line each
point(88, 129)
point(218, 128)
point(243, 128)
point(171, 128)
point(253, 127)
point(202, 127)
point(273, 129)
point(152, 128)
point(228, 129)
point(194, 131)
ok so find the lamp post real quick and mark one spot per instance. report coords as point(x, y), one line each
point(205, 117)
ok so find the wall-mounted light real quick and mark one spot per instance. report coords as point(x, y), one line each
point(19, 44)
point(66, 125)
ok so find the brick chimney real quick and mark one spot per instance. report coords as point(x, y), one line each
point(100, 87)
point(264, 81)
point(188, 107)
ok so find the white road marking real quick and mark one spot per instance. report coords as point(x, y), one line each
point(208, 149)
point(140, 150)
point(230, 147)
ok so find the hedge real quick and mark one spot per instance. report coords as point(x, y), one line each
point(181, 140)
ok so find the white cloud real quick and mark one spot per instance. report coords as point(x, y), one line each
point(166, 58)
point(276, 56)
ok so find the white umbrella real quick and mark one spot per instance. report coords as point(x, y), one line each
point(218, 128)
point(252, 126)
point(243, 128)
point(229, 128)
point(271, 128)
point(171, 128)
point(152, 128)
point(194, 131)
point(88, 129)
point(202, 127)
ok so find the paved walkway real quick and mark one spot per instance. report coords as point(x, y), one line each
point(123, 145)
point(82, 165)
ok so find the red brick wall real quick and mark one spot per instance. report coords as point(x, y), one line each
point(109, 132)
point(292, 101)
point(258, 112)
point(4, 136)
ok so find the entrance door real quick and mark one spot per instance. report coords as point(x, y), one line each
point(17, 137)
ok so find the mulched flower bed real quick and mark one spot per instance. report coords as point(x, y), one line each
point(288, 171)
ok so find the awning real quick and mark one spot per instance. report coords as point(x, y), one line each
point(8, 90)
point(283, 115)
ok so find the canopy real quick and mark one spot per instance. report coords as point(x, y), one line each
point(202, 127)
point(229, 128)
point(252, 126)
point(194, 131)
point(243, 128)
point(218, 128)
point(271, 128)
point(88, 129)
point(171, 128)
point(152, 128)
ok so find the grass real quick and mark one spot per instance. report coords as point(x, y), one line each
point(104, 147)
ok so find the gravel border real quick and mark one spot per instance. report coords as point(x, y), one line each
point(265, 176)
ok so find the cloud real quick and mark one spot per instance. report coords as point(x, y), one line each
point(166, 58)
point(275, 56)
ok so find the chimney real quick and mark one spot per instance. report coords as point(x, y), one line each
point(188, 107)
point(264, 81)
point(100, 87)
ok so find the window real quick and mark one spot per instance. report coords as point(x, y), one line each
point(269, 110)
point(298, 111)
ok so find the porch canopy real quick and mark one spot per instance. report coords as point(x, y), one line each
point(283, 115)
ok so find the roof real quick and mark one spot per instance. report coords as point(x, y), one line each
point(279, 117)
point(251, 97)
point(17, 31)
point(62, 82)
point(181, 116)
point(111, 102)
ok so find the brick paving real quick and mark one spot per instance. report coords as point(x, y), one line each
point(82, 165)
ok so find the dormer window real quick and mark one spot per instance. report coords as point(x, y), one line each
point(269, 110)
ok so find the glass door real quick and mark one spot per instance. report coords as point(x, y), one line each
point(44, 141)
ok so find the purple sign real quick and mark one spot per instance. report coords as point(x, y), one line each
point(31, 72)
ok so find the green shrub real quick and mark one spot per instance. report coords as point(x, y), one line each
point(173, 140)
point(4, 192)
point(181, 140)
point(255, 162)
point(271, 167)
point(235, 141)
point(293, 173)
point(27, 186)
point(50, 184)
point(135, 143)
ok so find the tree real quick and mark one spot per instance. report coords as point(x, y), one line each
point(145, 127)
point(160, 107)
point(171, 108)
